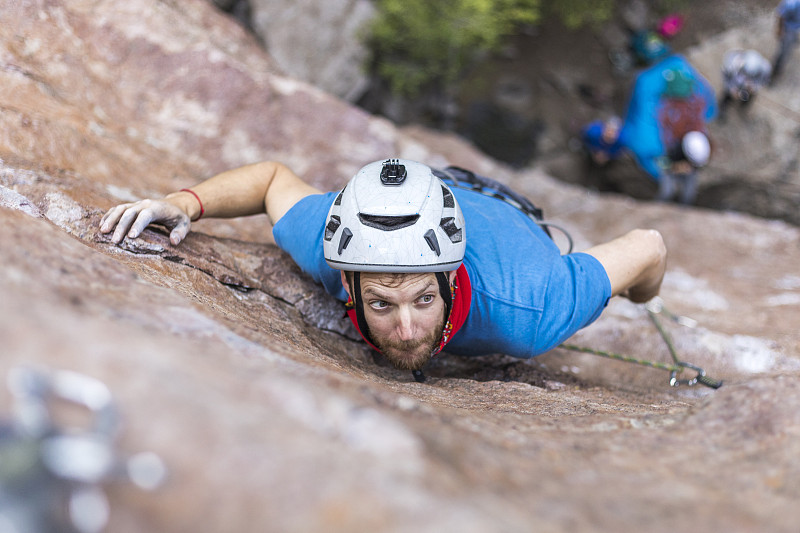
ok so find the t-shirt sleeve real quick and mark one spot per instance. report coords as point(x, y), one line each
point(299, 233)
point(577, 292)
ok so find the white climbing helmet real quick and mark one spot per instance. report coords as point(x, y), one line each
point(697, 148)
point(395, 216)
point(753, 63)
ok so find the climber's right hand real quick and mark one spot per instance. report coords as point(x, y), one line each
point(131, 219)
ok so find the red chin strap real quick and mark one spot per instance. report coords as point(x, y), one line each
point(461, 292)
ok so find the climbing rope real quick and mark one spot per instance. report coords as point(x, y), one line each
point(654, 308)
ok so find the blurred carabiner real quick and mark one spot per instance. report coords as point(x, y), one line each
point(700, 377)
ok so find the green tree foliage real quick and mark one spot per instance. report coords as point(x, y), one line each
point(577, 13)
point(429, 44)
point(419, 43)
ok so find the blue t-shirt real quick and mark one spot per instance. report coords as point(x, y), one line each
point(526, 297)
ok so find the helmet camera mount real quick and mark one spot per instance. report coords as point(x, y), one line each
point(393, 173)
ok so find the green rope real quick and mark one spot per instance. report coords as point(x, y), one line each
point(620, 357)
point(674, 369)
point(664, 335)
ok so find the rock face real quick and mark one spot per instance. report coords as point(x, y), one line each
point(317, 41)
point(756, 159)
point(237, 370)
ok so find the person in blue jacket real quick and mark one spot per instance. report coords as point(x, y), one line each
point(422, 266)
point(669, 100)
point(603, 141)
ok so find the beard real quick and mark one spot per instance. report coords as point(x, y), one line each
point(411, 354)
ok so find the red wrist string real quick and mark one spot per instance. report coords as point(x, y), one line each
point(190, 191)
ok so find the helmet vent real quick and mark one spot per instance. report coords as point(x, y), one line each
point(332, 226)
point(454, 232)
point(447, 198)
point(338, 200)
point(387, 223)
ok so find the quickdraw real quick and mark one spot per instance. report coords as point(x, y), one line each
point(654, 308)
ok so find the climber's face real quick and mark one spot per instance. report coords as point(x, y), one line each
point(405, 315)
point(610, 131)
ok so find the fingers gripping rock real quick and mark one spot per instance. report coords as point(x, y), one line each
point(132, 219)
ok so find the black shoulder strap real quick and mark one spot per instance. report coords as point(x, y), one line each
point(466, 179)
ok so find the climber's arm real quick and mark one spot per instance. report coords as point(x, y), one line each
point(266, 187)
point(635, 263)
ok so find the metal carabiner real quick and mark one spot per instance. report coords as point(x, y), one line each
point(700, 377)
point(34, 388)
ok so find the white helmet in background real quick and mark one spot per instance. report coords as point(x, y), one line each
point(697, 148)
point(753, 63)
point(395, 216)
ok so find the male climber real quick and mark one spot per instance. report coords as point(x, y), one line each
point(602, 140)
point(423, 266)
